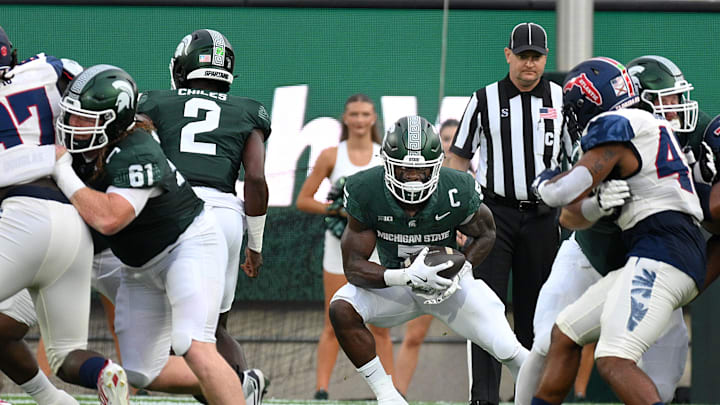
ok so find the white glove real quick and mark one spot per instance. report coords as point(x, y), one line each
point(703, 170)
point(433, 297)
point(608, 196)
point(419, 275)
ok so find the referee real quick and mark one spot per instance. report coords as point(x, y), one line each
point(515, 124)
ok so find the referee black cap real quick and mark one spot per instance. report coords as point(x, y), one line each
point(528, 37)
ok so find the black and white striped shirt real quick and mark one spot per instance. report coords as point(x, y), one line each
point(518, 135)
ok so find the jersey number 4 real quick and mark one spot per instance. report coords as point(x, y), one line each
point(668, 161)
point(210, 123)
point(30, 112)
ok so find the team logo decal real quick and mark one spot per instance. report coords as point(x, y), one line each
point(414, 135)
point(619, 85)
point(219, 48)
point(587, 88)
point(125, 98)
point(3, 51)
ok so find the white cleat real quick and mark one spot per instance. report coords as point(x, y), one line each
point(113, 385)
point(254, 386)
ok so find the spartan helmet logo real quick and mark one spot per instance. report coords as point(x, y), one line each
point(125, 98)
point(182, 46)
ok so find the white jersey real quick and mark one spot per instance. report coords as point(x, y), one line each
point(30, 101)
point(662, 181)
point(344, 167)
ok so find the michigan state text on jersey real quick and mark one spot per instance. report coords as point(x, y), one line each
point(398, 234)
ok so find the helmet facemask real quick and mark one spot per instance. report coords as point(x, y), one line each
point(416, 190)
point(82, 138)
point(685, 108)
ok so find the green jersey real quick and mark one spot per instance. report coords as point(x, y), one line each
point(203, 133)
point(368, 200)
point(138, 162)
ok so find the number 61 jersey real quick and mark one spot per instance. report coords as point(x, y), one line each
point(138, 162)
point(204, 133)
point(662, 181)
point(399, 235)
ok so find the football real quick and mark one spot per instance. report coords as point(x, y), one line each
point(441, 254)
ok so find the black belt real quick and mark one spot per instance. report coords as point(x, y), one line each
point(45, 189)
point(520, 205)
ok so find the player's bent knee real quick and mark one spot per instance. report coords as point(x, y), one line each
point(505, 350)
point(138, 379)
point(181, 342)
point(342, 314)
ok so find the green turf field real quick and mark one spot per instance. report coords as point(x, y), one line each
point(16, 399)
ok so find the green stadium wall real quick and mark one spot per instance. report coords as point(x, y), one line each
point(330, 54)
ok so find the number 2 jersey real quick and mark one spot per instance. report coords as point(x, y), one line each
point(368, 200)
point(203, 133)
point(137, 161)
point(661, 219)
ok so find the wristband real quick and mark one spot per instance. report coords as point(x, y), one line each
point(590, 208)
point(396, 277)
point(255, 229)
point(66, 179)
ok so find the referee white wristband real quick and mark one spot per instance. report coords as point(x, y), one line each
point(396, 277)
point(65, 176)
point(256, 228)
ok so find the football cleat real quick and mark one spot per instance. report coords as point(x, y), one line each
point(254, 386)
point(3, 402)
point(112, 385)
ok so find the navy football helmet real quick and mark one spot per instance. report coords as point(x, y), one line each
point(8, 55)
point(592, 87)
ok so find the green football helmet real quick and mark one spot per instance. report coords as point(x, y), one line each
point(656, 77)
point(412, 145)
point(204, 54)
point(105, 98)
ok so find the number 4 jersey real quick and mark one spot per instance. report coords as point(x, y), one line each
point(662, 181)
point(204, 132)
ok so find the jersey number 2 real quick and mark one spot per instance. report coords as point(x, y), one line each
point(210, 123)
point(668, 161)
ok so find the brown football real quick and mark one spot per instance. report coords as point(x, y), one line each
point(441, 254)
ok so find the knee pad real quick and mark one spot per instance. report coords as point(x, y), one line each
point(138, 379)
point(505, 350)
point(180, 342)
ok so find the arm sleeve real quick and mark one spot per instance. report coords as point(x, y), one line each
point(137, 197)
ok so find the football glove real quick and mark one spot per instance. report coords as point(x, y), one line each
point(609, 196)
point(703, 169)
point(422, 276)
point(432, 296)
point(544, 176)
point(336, 191)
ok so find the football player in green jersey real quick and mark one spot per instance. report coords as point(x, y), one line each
point(402, 207)
point(209, 135)
point(173, 253)
point(590, 254)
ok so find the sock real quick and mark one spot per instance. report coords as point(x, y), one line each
point(380, 383)
point(90, 371)
point(538, 401)
point(40, 388)
point(528, 378)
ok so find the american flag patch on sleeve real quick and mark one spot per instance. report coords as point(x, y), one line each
point(548, 113)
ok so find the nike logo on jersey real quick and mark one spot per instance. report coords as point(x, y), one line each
point(439, 217)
